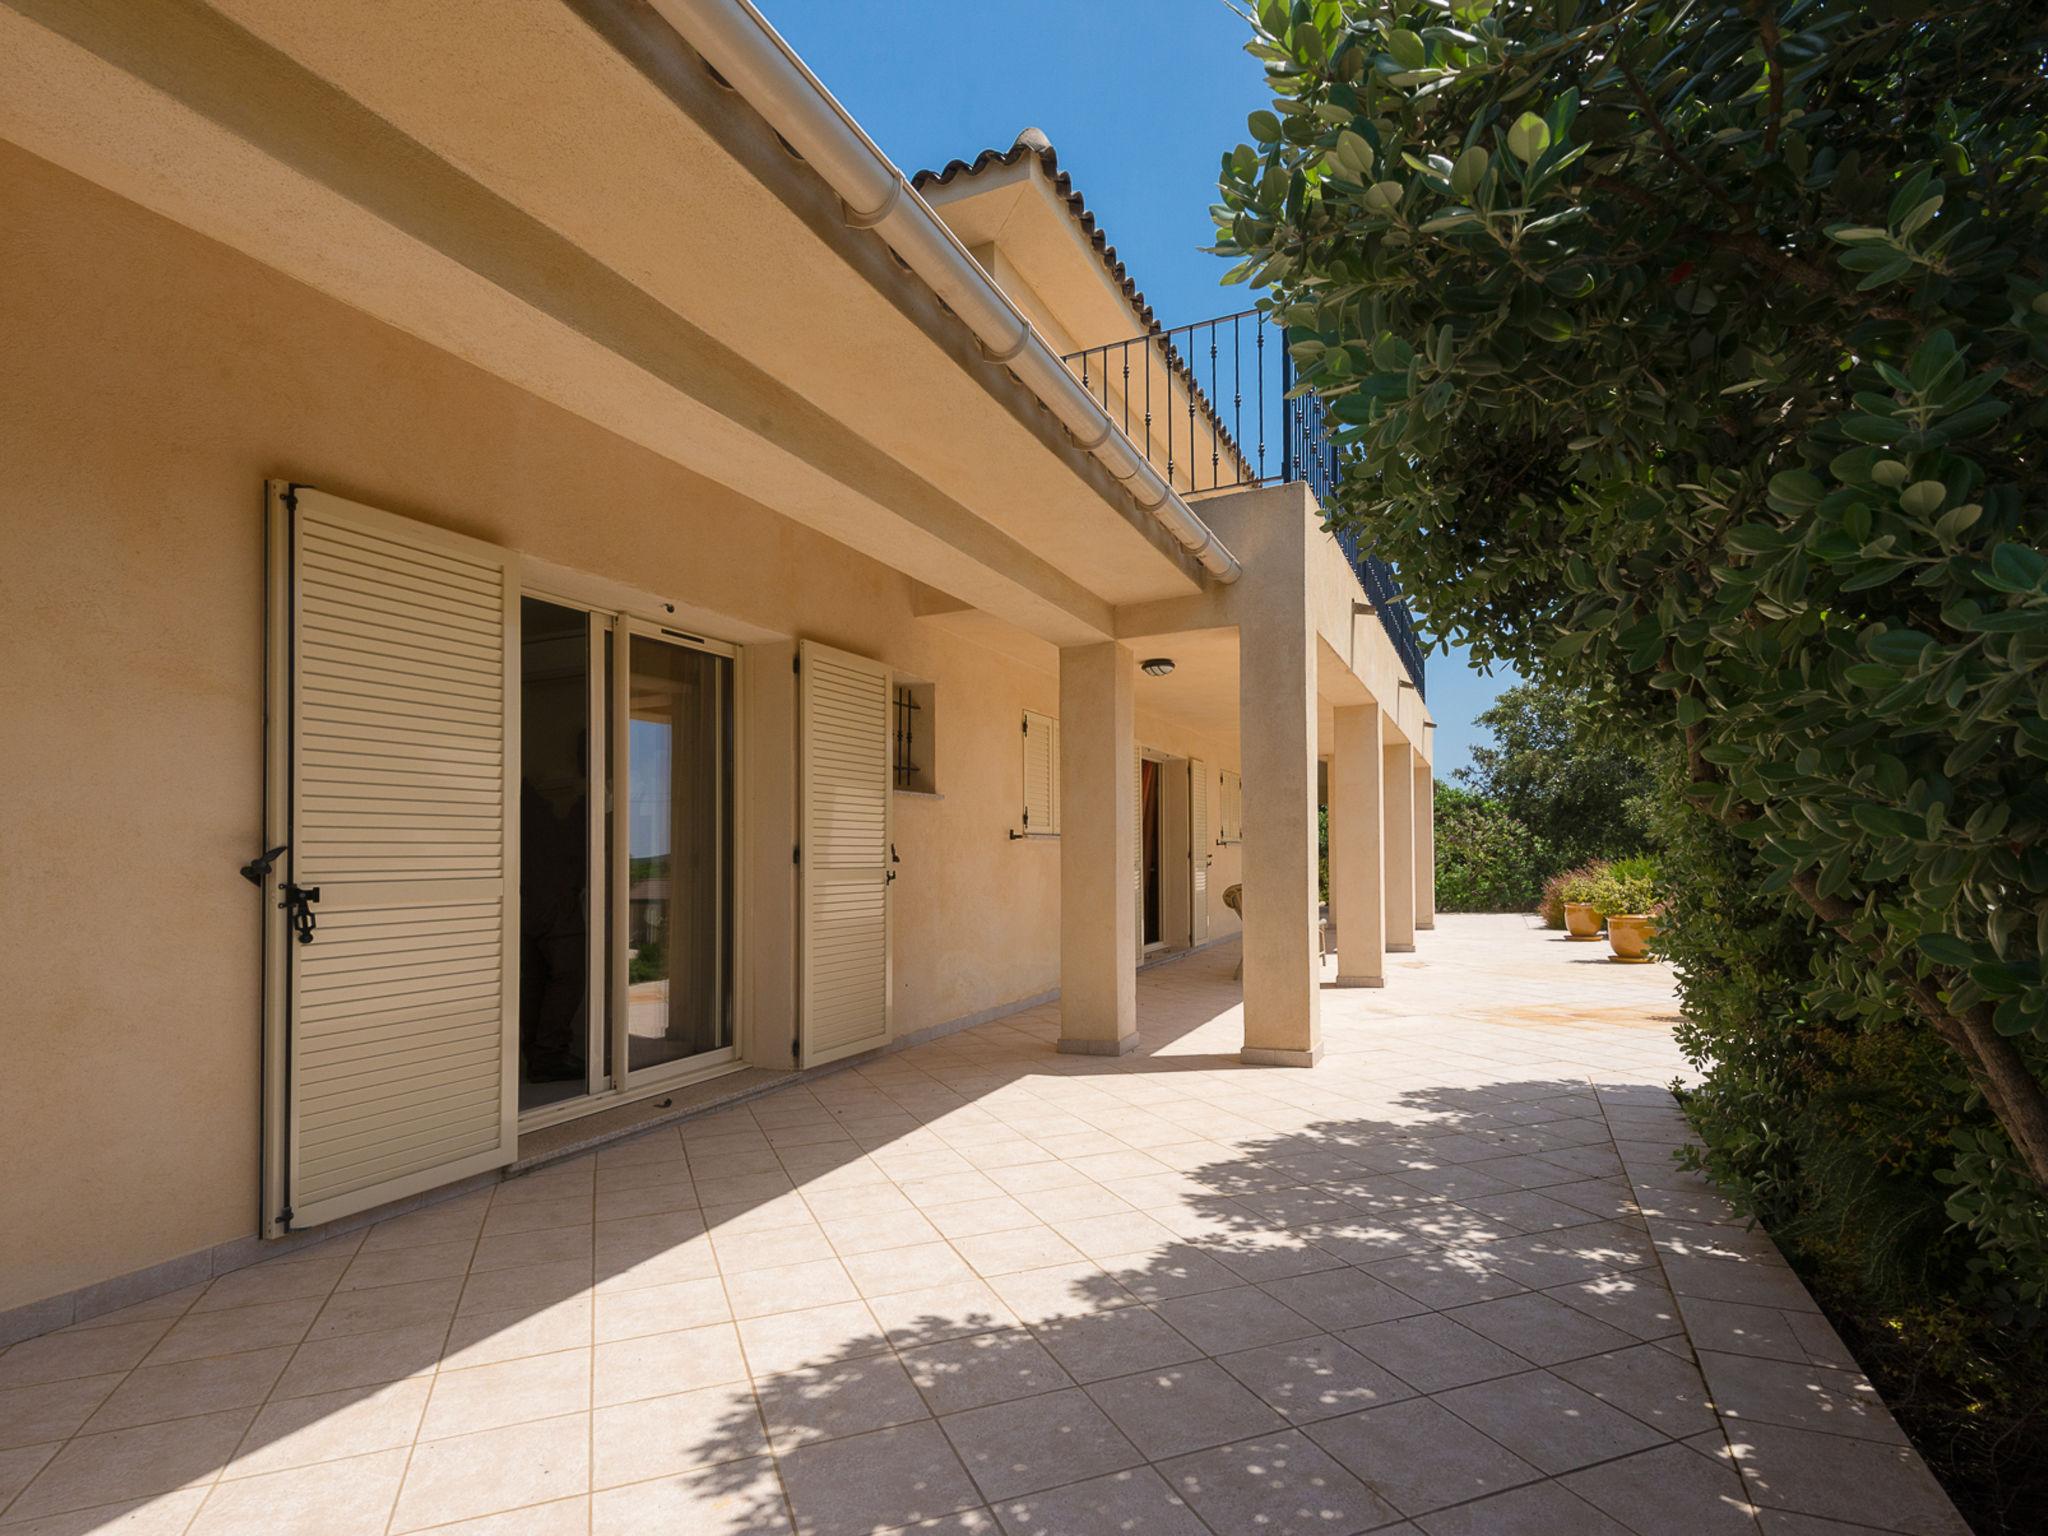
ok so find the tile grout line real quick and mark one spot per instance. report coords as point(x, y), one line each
point(1657, 1252)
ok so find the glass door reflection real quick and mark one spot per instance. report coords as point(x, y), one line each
point(678, 855)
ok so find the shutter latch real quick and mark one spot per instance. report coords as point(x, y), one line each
point(257, 870)
point(298, 907)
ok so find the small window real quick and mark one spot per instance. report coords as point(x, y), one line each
point(915, 755)
point(1230, 814)
point(1041, 775)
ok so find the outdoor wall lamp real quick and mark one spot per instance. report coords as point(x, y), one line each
point(1358, 607)
point(1157, 666)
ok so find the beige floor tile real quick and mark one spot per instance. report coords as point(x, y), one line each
point(547, 1245)
point(1276, 1485)
point(339, 1498)
point(1181, 1408)
point(80, 1352)
point(167, 1514)
point(1548, 1422)
point(511, 1392)
point(664, 1363)
point(783, 1342)
point(662, 1309)
point(1540, 1509)
point(1138, 1502)
point(1114, 1343)
point(407, 1265)
point(1224, 1322)
point(532, 1286)
point(1671, 1491)
point(789, 1288)
point(18, 1467)
point(133, 1463)
point(487, 1338)
point(451, 1221)
point(51, 1411)
point(386, 1308)
point(984, 1368)
point(735, 1499)
point(558, 1517)
point(866, 1483)
point(740, 1252)
point(844, 1397)
point(1060, 1290)
point(663, 1436)
point(1837, 1477)
point(911, 1318)
point(154, 1393)
point(497, 1469)
point(1033, 1443)
point(1420, 1457)
point(1318, 1378)
point(301, 1431)
point(361, 1359)
point(270, 1282)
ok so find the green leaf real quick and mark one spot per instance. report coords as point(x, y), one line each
point(1384, 196)
point(1265, 127)
point(1947, 949)
point(1923, 497)
point(1469, 169)
point(1408, 49)
point(2015, 568)
point(1528, 138)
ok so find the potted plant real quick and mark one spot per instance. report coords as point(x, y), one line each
point(1577, 889)
point(1626, 895)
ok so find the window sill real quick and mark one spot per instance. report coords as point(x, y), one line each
point(918, 794)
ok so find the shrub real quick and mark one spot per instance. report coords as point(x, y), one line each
point(1626, 887)
point(1569, 885)
point(1486, 860)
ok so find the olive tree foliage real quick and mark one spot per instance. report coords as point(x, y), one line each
point(1697, 355)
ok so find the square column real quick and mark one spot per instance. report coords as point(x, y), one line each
point(1098, 828)
point(1425, 844)
point(1277, 730)
point(1355, 875)
point(1399, 858)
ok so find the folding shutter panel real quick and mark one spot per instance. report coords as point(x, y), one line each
point(844, 856)
point(1138, 844)
point(1055, 754)
point(1198, 847)
point(1041, 774)
point(392, 921)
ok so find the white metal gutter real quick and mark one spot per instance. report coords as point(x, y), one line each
point(739, 43)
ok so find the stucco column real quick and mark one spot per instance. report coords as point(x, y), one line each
point(1399, 858)
point(1277, 729)
point(1425, 844)
point(1098, 828)
point(1355, 877)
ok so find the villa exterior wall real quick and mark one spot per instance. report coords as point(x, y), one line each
point(153, 379)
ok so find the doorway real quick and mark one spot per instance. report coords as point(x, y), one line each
point(1165, 854)
point(1149, 839)
point(626, 874)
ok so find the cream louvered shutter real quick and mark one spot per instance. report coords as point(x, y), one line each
point(1041, 774)
point(393, 992)
point(844, 856)
point(1198, 848)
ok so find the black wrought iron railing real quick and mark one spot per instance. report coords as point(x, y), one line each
point(1208, 405)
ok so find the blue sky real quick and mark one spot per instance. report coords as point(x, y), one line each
point(1139, 97)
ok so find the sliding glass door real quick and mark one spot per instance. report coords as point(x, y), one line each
point(627, 834)
point(676, 708)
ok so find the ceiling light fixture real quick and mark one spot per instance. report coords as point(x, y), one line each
point(1157, 666)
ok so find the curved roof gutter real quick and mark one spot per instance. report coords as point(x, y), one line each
point(737, 42)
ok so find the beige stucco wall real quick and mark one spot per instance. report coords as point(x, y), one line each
point(151, 381)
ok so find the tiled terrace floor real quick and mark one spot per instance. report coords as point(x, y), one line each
point(1426, 1287)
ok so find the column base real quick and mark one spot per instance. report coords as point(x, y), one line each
point(1263, 1056)
point(1123, 1047)
point(1359, 981)
point(1429, 927)
point(1400, 949)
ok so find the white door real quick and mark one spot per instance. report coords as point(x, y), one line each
point(843, 858)
point(1198, 849)
point(391, 918)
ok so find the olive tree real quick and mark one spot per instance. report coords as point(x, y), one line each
point(1696, 355)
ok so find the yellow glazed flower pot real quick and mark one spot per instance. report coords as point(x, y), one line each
point(1629, 934)
point(1581, 921)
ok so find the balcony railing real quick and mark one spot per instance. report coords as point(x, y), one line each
point(1208, 406)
